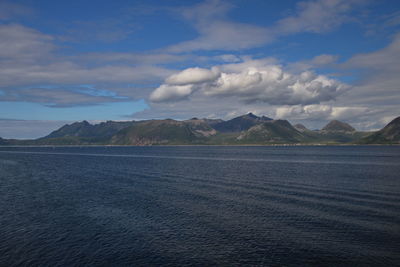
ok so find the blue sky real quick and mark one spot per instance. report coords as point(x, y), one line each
point(305, 61)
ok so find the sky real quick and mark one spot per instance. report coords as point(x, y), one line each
point(306, 61)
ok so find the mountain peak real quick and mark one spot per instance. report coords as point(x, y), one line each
point(300, 127)
point(338, 126)
point(251, 115)
point(278, 131)
point(241, 123)
point(79, 123)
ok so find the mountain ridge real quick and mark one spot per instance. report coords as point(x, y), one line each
point(246, 129)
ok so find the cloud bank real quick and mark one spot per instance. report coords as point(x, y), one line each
point(250, 81)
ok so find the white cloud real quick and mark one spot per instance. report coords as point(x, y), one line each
point(228, 58)
point(386, 58)
point(182, 84)
point(302, 112)
point(258, 83)
point(379, 79)
point(235, 83)
point(60, 97)
point(20, 43)
point(316, 116)
point(28, 60)
point(321, 112)
point(134, 58)
point(225, 36)
point(65, 72)
point(193, 76)
point(166, 93)
point(323, 59)
point(216, 31)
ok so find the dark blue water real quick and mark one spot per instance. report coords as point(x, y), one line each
point(227, 206)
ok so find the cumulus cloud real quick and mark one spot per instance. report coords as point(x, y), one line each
point(166, 93)
point(316, 116)
point(193, 76)
point(258, 83)
point(318, 112)
point(373, 99)
point(182, 84)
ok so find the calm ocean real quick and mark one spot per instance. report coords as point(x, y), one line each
point(229, 206)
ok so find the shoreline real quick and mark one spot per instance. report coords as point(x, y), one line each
point(202, 145)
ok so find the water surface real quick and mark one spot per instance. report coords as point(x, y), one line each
point(200, 206)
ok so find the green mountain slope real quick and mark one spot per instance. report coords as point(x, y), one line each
point(241, 123)
point(274, 131)
point(338, 132)
point(161, 132)
point(85, 129)
point(390, 134)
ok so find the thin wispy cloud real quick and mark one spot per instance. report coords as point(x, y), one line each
point(10, 10)
point(218, 32)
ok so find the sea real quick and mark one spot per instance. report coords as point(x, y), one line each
point(200, 206)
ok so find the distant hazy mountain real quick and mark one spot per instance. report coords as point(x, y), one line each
point(339, 132)
point(85, 129)
point(246, 129)
point(300, 127)
point(338, 126)
point(389, 134)
point(239, 124)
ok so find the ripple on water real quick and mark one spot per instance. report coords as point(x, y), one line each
point(200, 206)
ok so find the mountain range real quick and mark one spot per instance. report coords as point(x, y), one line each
point(248, 129)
